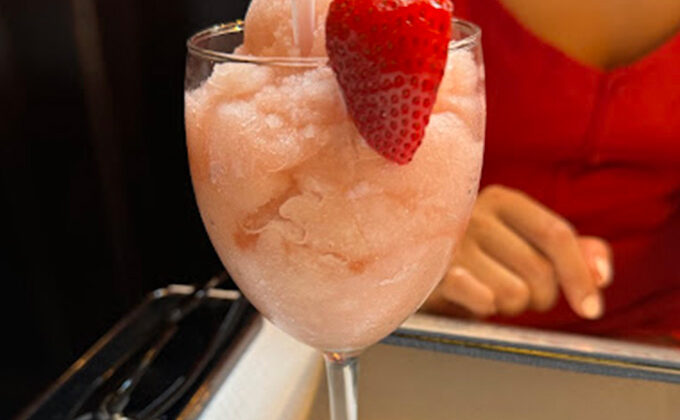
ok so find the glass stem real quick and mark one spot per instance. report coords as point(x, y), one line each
point(342, 372)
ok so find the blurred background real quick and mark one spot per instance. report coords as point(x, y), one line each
point(96, 199)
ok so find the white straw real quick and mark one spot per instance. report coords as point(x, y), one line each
point(303, 13)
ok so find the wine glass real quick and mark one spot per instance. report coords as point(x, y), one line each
point(330, 241)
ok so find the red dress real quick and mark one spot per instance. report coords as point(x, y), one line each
point(601, 148)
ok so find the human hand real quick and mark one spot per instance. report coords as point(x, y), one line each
point(516, 255)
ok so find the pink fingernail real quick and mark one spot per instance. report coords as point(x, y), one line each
point(592, 306)
point(604, 270)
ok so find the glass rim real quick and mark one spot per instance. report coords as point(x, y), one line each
point(193, 47)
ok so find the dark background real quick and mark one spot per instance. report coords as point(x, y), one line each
point(96, 206)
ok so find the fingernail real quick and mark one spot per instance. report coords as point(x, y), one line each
point(604, 270)
point(592, 306)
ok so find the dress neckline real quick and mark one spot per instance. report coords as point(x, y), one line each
point(650, 56)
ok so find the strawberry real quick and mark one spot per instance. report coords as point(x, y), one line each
point(389, 58)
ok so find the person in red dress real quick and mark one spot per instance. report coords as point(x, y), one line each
point(577, 226)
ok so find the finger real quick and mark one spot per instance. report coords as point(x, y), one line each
point(510, 292)
point(436, 303)
point(598, 255)
point(512, 251)
point(462, 288)
point(555, 238)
